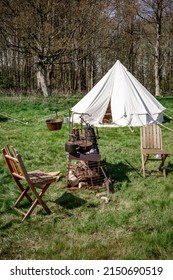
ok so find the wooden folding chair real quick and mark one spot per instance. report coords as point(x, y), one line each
point(152, 149)
point(28, 182)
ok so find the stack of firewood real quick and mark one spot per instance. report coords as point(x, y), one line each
point(89, 174)
point(80, 174)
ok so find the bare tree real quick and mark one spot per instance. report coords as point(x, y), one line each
point(68, 45)
point(153, 12)
point(53, 33)
point(37, 28)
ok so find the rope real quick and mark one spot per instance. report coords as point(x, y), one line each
point(162, 124)
point(130, 129)
point(165, 126)
point(11, 117)
point(169, 110)
point(168, 116)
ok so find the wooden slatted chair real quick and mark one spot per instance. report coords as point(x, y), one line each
point(31, 184)
point(152, 149)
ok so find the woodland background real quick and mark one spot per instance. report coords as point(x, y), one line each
point(66, 46)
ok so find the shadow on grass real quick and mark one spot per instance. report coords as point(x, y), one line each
point(169, 168)
point(119, 171)
point(3, 119)
point(6, 225)
point(70, 201)
point(167, 119)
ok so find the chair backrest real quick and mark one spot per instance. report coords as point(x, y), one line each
point(19, 172)
point(151, 137)
point(15, 163)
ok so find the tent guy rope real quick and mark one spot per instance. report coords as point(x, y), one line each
point(165, 126)
point(12, 118)
point(168, 116)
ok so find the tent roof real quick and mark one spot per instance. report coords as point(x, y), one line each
point(122, 96)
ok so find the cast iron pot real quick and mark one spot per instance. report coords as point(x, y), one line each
point(78, 146)
point(71, 147)
point(84, 146)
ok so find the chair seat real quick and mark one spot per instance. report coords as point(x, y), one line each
point(38, 177)
point(155, 152)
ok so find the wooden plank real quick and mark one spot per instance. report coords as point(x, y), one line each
point(151, 137)
point(155, 140)
point(155, 152)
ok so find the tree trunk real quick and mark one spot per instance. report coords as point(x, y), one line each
point(157, 66)
point(41, 80)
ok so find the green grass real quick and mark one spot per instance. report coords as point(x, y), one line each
point(137, 223)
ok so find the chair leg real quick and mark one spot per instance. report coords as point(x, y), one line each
point(30, 210)
point(33, 207)
point(39, 198)
point(23, 194)
point(162, 168)
point(143, 164)
point(38, 201)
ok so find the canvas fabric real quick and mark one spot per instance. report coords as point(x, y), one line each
point(131, 103)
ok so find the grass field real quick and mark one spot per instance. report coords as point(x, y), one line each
point(137, 223)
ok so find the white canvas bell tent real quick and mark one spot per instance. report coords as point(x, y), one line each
point(118, 99)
